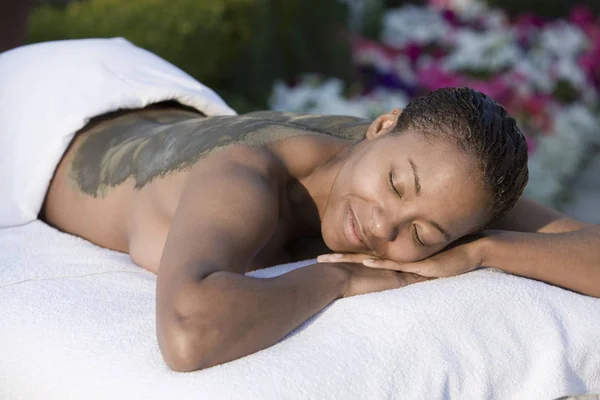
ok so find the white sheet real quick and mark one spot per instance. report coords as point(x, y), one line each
point(48, 91)
point(77, 322)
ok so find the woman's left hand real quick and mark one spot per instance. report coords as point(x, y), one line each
point(462, 256)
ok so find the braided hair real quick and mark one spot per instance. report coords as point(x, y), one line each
point(482, 129)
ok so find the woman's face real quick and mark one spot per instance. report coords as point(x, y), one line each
point(405, 197)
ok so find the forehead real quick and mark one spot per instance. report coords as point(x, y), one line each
point(432, 152)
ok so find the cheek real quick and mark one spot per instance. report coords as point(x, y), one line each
point(405, 251)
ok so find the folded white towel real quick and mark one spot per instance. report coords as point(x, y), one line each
point(49, 91)
point(77, 322)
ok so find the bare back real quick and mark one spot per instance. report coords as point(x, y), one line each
point(122, 178)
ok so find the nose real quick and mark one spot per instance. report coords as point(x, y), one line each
point(383, 227)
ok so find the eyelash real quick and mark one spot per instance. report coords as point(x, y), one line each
point(415, 231)
point(391, 182)
point(416, 237)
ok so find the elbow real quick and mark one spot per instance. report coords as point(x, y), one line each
point(180, 353)
point(187, 329)
point(185, 344)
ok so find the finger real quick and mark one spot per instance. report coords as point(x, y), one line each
point(384, 264)
point(342, 257)
point(418, 267)
point(329, 257)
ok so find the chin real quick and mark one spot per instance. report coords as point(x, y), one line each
point(330, 241)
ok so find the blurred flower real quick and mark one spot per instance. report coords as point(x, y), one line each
point(545, 73)
point(412, 24)
point(315, 95)
point(581, 16)
point(492, 51)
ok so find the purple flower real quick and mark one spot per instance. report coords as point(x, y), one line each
point(582, 16)
point(436, 77)
point(451, 18)
point(413, 51)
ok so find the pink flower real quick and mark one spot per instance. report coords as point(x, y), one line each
point(529, 20)
point(451, 17)
point(413, 51)
point(582, 16)
point(445, 4)
point(361, 44)
point(526, 25)
point(368, 52)
point(435, 77)
point(536, 109)
point(495, 87)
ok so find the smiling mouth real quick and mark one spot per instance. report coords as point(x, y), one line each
point(351, 228)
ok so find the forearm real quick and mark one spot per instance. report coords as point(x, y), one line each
point(569, 259)
point(227, 316)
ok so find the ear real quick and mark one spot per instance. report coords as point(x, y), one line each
point(384, 124)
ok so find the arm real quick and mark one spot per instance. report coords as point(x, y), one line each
point(208, 312)
point(537, 242)
point(531, 241)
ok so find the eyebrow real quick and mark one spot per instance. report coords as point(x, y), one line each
point(442, 230)
point(418, 193)
point(416, 177)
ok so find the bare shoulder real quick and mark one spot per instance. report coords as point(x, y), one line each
point(301, 155)
point(204, 199)
point(258, 159)
point(228, 212)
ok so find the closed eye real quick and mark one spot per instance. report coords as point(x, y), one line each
point(391, 182)
point(417, 238)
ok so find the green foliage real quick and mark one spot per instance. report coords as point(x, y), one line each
point(237, 47)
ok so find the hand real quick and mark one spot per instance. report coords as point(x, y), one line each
point(362, 279)
point(462, 256)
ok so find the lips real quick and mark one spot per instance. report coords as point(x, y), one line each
point(351, 228)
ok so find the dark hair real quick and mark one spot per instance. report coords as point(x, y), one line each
point(481, 128)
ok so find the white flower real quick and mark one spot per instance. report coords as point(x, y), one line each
point(563, 39)
point(567, 69)
point(553, 57)
point(536, 66)
point(382, 101)
point(404, 69)
point(412, 24)
point(357, 10)
point(375, 57)
point(478, 11)
point(490, 51)
point(557, 158)
point(327, 98)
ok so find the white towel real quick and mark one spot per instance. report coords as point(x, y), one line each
point(77, 322)
point(48, 91)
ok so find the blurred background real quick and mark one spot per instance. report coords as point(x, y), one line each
point(538, 58)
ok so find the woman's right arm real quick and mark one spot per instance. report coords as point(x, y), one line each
point(208, 312)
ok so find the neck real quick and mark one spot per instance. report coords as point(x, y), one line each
point(312, 192)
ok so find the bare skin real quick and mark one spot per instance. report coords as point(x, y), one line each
point(290, 188)
point(121, 180)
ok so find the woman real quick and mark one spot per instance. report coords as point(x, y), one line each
point(202, 200)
